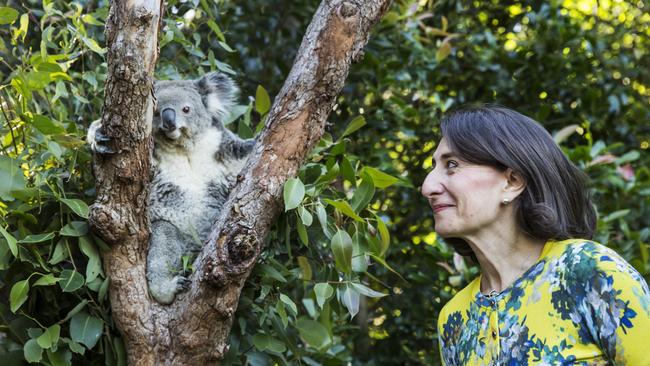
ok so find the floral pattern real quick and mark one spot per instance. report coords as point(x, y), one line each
point(579, 304)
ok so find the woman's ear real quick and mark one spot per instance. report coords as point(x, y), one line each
point(515, 184)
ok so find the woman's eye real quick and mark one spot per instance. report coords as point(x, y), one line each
point(186, 109)
point(451, 164)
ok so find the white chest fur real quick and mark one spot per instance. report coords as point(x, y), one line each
point(193, 169)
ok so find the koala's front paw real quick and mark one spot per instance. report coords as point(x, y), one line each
point(182, 283)
point(97, 139)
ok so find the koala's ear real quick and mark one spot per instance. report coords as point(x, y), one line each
point(218, 92)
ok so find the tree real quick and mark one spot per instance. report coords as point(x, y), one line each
point(195, 328)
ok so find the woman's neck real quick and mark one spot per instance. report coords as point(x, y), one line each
point(504, 257)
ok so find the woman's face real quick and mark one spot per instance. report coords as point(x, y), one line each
point(465, 198)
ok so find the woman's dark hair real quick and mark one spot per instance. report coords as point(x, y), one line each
point(555, 203)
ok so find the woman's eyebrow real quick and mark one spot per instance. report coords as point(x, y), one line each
point(444, 156)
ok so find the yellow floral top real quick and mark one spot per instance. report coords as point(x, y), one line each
point(579, 304)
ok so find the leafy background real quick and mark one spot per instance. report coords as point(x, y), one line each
point(355, 228)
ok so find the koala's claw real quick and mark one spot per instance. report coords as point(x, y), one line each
point(183, 284)
point(101, 149)
point(97, 139)
point(100, 137)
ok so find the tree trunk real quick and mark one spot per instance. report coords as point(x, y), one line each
point(194, 329)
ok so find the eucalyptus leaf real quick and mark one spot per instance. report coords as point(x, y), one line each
point(379, 178)
point(262, 100)
point(287, 301)
point(294, 192)
point(32, 351)
point(77, 206)
point(75, 228)
point(49, 337)
point(86, 329)
point(323, 292)
point(313, 333)
point(341, 244)
point(18, 294)
point(71, 280)
point(349, 297)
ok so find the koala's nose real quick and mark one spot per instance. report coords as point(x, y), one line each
point(168, 119)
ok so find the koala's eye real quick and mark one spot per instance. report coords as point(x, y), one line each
point(186, 109)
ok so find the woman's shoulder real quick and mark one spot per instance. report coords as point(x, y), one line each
point(587, 259)
point(461, 301)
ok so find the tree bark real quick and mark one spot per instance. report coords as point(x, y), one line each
point(194, 329)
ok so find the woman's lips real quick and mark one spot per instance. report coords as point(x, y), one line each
point(439, 207)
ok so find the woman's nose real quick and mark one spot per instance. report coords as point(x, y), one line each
point(431, 186)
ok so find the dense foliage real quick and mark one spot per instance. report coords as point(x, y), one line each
point(355, 228)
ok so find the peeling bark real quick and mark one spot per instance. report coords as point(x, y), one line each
point(194, 329)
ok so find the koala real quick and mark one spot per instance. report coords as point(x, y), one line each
point(195, 164)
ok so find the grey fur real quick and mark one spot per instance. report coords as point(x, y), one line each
point(195, 166)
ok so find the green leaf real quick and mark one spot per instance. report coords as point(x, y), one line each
point(379, 178)
point(77, 206)
point(381, 261)
point(363, 194)
point(287, 301)
point(46, 280)
point(302, 232)
point(92, 44)
point(262, 100)
point(93, 268)
point(271, 272)
point(46, 125)
point(294, 192)
point(11, 178)
point(86, 329)
point(75, 228)
point(49, 337)
point(215, 28)
point(628, 157)
point(366, 291)
point(313, 333)
point(60, 252)
point(349, 297)
point(74, 346)
point(264, 342)
point(32, 351)
point(616, 215)
point(383, 234)
point(321, 213)
point(305, 216)
point(323, 292)
point(36, 238)
point(71, 280)
point(11, 241)
point(225, 46)
point(279, 307)
point(344, 208)
point(74, 310)
point(18, 294)
point(103, 289)
point(347, 171)
point(342, 249)
point(305, 268)
point(62, 357)
point(443, 51)
point(354, 125)
point(8, 15)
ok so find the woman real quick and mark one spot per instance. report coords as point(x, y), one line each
point(502, 192)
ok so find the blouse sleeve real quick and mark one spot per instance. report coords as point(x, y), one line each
point(616, 309)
